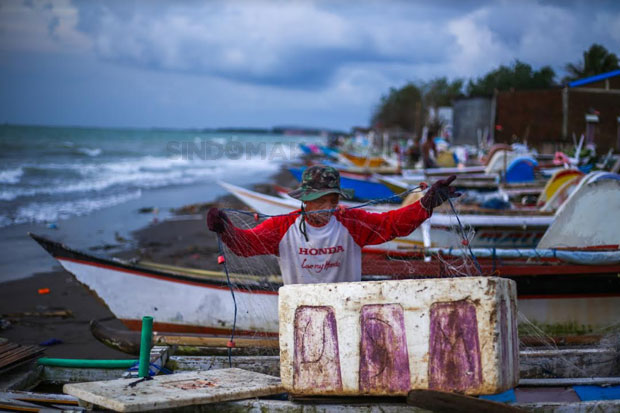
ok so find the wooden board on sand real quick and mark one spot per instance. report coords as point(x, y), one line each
point(176, 390)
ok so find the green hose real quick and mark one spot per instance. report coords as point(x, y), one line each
point(82, 363)
point(145, 346)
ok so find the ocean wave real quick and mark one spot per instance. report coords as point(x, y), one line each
point(92, 152)
point(146, 172)
point(5, 221)
point(54, 211)
point(11, 176)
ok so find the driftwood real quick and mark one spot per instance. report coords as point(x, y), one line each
point(56, 313)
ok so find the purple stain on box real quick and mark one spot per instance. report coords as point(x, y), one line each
point(316, 359)
point(454, 348)
point(384, 359)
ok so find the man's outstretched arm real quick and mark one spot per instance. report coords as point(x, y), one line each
point(260, 240)
point(369, 228)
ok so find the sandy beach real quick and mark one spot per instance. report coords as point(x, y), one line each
point(184, 242)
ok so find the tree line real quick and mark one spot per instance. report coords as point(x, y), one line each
point(407, 108)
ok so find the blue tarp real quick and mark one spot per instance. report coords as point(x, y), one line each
point(506, 397)
point(592, 393)
point(521, 170)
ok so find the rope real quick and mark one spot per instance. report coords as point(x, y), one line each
point(302, 223)
point(222, 260)
point(465, 240)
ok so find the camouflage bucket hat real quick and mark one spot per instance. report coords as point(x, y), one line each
point(317, 181)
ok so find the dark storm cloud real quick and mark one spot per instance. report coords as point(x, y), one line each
point(292, 45)
point(180, 63)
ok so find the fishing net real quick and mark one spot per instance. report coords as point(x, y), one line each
point(253, 276)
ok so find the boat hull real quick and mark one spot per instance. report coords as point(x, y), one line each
point(549, 295)
point(177, 305)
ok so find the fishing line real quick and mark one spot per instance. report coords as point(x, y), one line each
point(465, 240)
point(221, 259)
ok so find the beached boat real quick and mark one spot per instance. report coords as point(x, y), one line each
point(310, 149)
point(364, 161)
point(551, 293)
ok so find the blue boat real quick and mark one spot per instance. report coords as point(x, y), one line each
point(365, 188)
point(521, 170)
point(329, 152)
point(305, 149)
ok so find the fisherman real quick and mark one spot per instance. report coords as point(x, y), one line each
point(322, 242)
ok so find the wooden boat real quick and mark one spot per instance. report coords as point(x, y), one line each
point(329, 152)
point(556, 182)
point(310, 149)
point(364, 161)
point(550, 196)
point(550, 293)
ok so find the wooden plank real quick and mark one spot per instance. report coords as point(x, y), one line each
point(18, 354)
point(78, 375)
point(269, 365)
point(569, 381)
point(366, 406)
point(32, 397)
point(170, 340)
point(17, 406)
point(4, 348)
point(176, 390)
point(569, 363)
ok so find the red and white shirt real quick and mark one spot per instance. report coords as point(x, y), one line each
point(333, 252)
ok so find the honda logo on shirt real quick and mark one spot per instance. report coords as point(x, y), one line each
point(321, 251)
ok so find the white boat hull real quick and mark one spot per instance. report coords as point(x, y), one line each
point(175, 305)
point(183, 307)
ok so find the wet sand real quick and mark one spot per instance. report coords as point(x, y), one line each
point(185, 242)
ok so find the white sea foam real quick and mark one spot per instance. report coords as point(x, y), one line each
point(146, 172)
point(11, 176)
point(5, 221)
point(90, 151)
point(53, 211)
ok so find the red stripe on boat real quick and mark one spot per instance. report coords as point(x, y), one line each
point(170, 279)
point(193, 329)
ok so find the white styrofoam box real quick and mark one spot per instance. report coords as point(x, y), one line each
point(389, 337)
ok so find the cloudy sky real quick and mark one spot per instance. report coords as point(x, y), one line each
point(264, 63)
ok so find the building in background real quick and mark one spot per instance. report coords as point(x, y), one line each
point(554, 118)
point(472, 118)
point(548, 119)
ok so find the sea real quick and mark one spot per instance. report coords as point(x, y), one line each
point(87, 186)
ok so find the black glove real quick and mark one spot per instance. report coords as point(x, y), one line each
point(217, 220)
point(438, 193)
